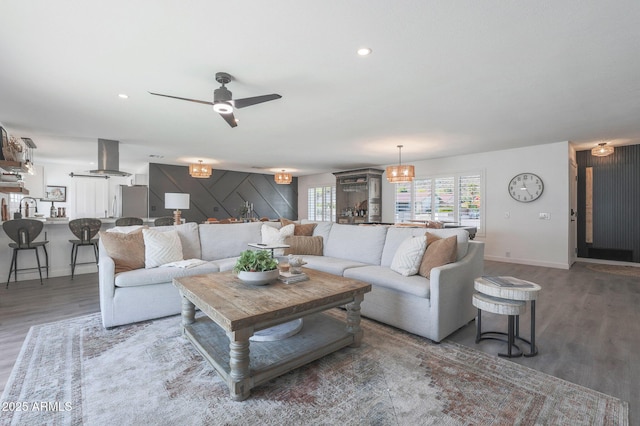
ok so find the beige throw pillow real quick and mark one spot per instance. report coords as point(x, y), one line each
point(301, 230)
point(440, 251)
point(126, 250)
point(302, 244)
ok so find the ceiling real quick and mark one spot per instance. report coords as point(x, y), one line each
point(445, 78)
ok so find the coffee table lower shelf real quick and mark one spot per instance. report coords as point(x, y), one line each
point(321, 334)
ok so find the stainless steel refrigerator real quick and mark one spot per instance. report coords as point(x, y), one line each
point(134, 201)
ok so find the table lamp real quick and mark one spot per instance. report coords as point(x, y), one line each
point(177, 201)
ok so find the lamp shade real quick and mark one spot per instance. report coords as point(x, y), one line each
point(602, 150)
point(200, 170)
point(401, 172)
point(174, 200)
point(283, 178)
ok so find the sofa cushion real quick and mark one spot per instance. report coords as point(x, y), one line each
point(220, 241)
point(440, 251)
point(331, 265)
point(274, 236)
point(356, 243)
point(301, 245)
point(126, 229)
point(384, 277)
point(126, 250)
point(462, 236)
point(189, 238)
point(163, 274)
point(409, 255)
point(161, 247)
point(395, 236)
point(322, 228)
point(299, 229)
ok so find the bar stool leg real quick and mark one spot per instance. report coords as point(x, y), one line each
point(74, 254)
point(46, 258)
point(38, 260)
point(13, 265)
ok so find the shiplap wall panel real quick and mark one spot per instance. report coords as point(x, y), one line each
point(222, 194)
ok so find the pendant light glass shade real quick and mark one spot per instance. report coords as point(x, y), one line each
point(602, 150)
point(200, 170)
point(283, 178)
point(400, 173)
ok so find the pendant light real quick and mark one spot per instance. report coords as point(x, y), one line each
point(602, 150)
point(200, 170)
point(400, 173)
point(283, 178)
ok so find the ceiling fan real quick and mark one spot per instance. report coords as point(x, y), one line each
point(222, 103)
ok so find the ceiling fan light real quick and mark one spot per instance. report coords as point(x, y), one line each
point(223, 108)
point(602, 150)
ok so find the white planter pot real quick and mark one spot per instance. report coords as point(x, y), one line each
point(258, 278)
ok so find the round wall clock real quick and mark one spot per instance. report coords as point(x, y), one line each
point(526, 187)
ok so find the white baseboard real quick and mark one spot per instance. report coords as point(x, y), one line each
point(528, 262)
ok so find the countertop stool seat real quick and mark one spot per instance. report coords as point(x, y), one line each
point(85, 229)
point(129, 221)
point(24, 232)
point(498, 296)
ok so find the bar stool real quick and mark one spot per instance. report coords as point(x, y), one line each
point(163, 221)
point(24, 232)
point(85, 229)
point(128, 221)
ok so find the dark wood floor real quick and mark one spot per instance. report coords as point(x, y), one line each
point(588, 323)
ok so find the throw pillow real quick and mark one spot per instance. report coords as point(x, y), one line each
point(407, 259)
point(299, 229)
point(274, 236)
point(126, 229)
point(161, 247)
point(440, 251)
point(126, 250)
point(302, 244)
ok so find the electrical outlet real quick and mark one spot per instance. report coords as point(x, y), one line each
point(545, 216)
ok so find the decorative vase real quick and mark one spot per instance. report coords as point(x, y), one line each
point(258, 278)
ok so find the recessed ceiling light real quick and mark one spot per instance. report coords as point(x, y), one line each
point(364, 51)
point(123, 96)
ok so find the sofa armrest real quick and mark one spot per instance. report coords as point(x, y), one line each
point(107, 286)
point(452, 290)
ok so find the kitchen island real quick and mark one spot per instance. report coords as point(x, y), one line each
point(57, 232)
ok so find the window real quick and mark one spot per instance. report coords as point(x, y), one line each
point(321, 203)
point(453, 198)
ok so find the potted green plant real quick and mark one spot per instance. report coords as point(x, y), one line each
point(256, 267)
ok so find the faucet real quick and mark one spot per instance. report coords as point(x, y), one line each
point(35, 202)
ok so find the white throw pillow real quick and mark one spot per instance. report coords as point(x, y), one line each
point(271, 235)
point(161, 247)
point(126, 229)
point(408, 256)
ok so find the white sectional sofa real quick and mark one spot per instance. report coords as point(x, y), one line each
point(433, 308)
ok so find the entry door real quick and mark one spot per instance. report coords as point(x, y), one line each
point(573, 213)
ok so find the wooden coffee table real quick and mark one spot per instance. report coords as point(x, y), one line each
point(235, 310)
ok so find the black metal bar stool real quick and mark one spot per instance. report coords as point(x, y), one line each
point(24, 232)
point(85, 229)
point(163, 221)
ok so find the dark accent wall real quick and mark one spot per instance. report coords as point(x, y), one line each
point(222, 194)
point(616, 204)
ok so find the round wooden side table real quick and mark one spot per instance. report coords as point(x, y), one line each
point(494, 294)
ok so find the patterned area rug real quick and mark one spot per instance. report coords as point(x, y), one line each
point(628, 271)
point(75, 372)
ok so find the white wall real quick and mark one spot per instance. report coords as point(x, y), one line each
point(526, 238)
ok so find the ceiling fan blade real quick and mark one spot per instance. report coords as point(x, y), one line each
point(245, 102)
point(230, 119)
point(182, 99)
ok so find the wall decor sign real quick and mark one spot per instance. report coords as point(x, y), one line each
point(55, 193)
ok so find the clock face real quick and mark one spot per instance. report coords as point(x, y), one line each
point(526, 187)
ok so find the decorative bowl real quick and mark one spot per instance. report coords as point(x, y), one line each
point(258, 278)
